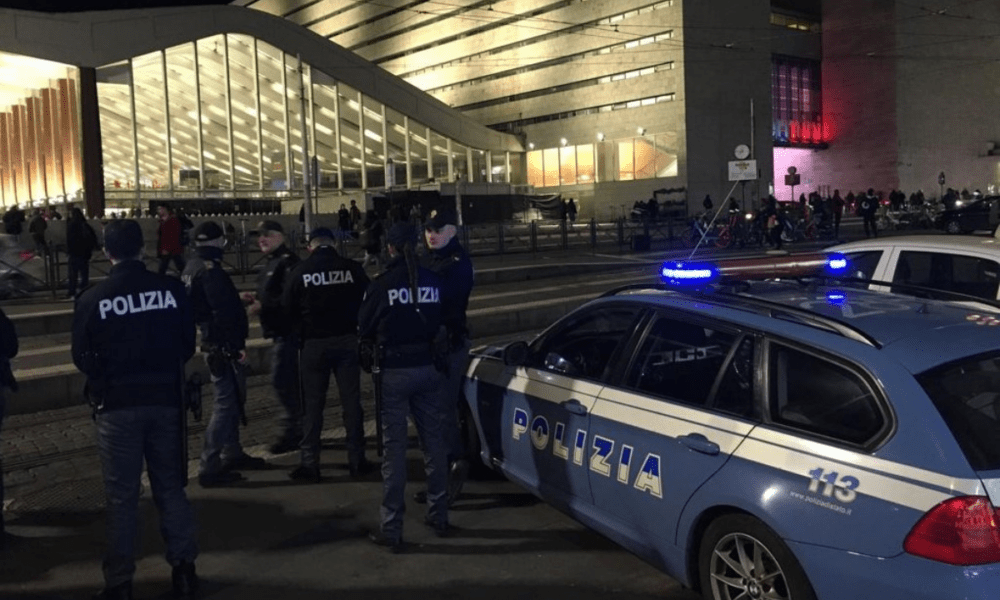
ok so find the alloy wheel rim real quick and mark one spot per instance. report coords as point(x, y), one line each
point(742, 568)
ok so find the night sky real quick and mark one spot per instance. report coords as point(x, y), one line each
point(84, 5)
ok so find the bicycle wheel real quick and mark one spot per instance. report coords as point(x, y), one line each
point(725, 238)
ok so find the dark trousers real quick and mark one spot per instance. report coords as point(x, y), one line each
point(458, 360)
point(222, 435)
point(165, 263)
point(3, 408)
point(869, 220)
point(319, 357)
point(125, 437)
point(285, 380)
point(416, 391)
point(78, 273)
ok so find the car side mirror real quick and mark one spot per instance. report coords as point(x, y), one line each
point(515, 354)
point(554, 362)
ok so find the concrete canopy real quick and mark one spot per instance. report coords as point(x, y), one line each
point(95, 39)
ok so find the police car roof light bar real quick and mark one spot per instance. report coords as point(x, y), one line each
point(688, 274)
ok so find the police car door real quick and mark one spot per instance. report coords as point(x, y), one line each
point(548, 401)
point(682, 407)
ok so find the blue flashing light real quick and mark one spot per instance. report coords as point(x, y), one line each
point(688, 274)
point(836, 264)
point(836, 297)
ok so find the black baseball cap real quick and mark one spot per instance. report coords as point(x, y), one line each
point(440, 218)
point(123, 238)
point(208, 231)
point(265, 227)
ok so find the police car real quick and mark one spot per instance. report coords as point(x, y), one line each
point(793, 438)
point(965, 264)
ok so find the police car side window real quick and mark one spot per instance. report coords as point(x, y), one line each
point(813, 394)
point(953, 272)
point(585, 345)
point(863, 264)
point(679, 360)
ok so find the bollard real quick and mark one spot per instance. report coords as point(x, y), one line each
point(593, 233)
point(533, 236)
point(500, 238)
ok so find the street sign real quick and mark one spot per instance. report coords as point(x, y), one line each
point(793, 179)
point(742, 170)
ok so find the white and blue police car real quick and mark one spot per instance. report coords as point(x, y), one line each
point(792, 438)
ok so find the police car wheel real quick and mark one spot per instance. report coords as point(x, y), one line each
point(740, 557)
point(953, 227)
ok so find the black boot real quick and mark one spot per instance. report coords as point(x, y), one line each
point(122, 591)
point(185, 580)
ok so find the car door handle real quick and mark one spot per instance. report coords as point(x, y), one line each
point(574, 406)
point(699, 443)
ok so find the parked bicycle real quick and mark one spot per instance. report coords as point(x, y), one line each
point(699, 231)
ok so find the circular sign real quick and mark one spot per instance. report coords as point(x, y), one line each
point(792, 170)
point(742, 151)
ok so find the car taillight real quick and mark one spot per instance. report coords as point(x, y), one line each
point(959, 531)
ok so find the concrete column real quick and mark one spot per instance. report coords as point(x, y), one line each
point(90, 132)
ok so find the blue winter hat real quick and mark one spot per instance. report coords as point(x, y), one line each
point(401, 234)
point(123, 238)
point(321, 232)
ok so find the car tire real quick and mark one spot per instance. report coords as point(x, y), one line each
point(719, 551)
point(952, 227)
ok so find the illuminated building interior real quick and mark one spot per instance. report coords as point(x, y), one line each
point(39, 131)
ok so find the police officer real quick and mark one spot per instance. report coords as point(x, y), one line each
point(219, 315)
point(401, 315)
point(322, 296)
point(275, 325)
point(132, 335)
point(448, 258)
point(8, 350)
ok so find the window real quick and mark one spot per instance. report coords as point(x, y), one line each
point(735, 393)
point(680, 361)
point(583, 346)
point(863, 264)
point(952, 272)
point(815, 395)
point(967, 394)
point(797, 107)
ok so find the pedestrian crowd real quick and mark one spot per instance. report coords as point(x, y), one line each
point(134, 333)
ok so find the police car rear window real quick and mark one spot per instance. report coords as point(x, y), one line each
point(813, 394)
point(967, 394)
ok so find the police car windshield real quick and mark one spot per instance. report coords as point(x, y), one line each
point(967, 394)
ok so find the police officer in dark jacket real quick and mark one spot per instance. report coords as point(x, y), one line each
point(132, 335)
point(448, 258)
point(275, 325)
point(322, 296)
point(218, 312)
point(401, 315)
point(8, 350)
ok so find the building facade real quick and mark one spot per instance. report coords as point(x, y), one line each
point(616, 98)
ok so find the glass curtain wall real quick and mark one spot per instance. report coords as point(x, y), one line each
point(222, 117)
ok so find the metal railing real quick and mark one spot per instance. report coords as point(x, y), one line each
point(242, 258)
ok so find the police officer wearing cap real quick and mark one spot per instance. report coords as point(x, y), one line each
point(218, 312)
point(132, 335)
point(322, 296)
point(448, 258)
point(275, 325)
point(401, 315)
